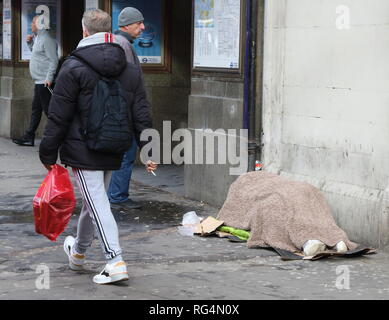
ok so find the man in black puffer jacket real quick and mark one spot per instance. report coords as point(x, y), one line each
point(68, 114)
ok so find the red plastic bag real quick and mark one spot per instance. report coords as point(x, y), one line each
point(54, 203)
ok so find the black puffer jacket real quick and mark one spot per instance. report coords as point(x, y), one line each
point(69, 106)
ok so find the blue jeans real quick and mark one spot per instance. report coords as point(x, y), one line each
point(120, 181)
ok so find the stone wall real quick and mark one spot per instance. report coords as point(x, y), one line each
point(214, 104)
point(326, 115)
point(16, 91)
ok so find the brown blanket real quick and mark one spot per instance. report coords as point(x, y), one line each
point(280, 213)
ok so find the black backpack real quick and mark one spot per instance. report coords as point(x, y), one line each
point(109, 123)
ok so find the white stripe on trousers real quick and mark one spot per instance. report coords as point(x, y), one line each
point(93, 191)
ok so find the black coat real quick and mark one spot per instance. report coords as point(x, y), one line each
point(72, 98)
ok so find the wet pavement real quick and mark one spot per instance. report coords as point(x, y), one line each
point(162, 263)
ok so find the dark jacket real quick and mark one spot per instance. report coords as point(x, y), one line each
point(69, 106)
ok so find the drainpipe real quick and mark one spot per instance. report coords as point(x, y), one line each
point(250, 115)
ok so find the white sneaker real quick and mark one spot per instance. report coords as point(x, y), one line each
point(341, 247)
point(112, 273)
point(312, 247)
point(76, 261)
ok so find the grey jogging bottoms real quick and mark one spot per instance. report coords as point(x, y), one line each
point(96, 213)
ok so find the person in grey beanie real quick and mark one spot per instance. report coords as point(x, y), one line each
point(131, 25)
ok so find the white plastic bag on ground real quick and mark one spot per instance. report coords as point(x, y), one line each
point(189, 222)
point(191, 218)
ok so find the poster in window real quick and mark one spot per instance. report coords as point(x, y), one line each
point(150, 44)
point(7, 30)
point(50, 12)
point(1, 29)
point(91, 5)
point(217, 25)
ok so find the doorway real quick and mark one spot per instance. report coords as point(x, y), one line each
point(72, 12)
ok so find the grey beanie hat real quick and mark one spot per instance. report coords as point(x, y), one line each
point(129, 15)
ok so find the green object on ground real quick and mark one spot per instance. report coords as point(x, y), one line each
point(241, 234)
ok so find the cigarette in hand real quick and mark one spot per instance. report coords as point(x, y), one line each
point(153, 173)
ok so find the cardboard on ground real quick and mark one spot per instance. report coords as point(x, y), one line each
point(208, 226)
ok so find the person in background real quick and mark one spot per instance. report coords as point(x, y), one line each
point(131, 25)
point(43, 66)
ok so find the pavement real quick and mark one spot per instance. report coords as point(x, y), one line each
point(163, 264)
